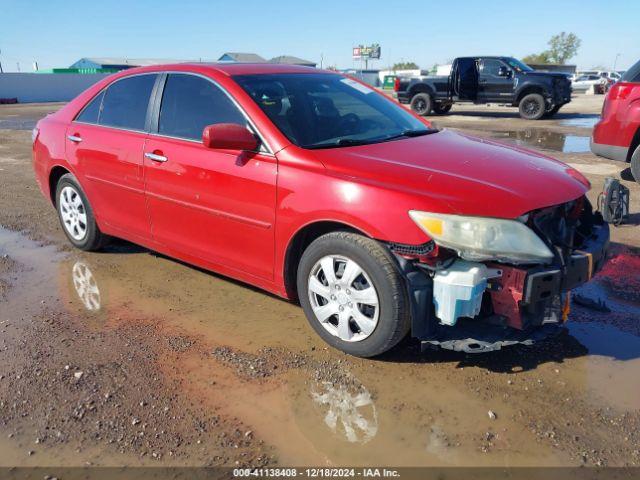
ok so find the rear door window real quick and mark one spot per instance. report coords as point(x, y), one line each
point(91, 112)
point(190, 103)
point(633, 74)
point(126, 101)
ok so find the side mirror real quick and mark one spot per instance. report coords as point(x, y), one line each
point(229, 136)
point(504, 72)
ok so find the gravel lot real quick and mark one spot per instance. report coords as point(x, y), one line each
point(126, 357)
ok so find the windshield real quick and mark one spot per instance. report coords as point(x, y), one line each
point(518, 65)
point(327, 110)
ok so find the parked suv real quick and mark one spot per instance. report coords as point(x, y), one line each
point(617, 134)
point(503, 80)
point(314, 186)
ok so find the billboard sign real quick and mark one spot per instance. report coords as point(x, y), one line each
point(366, 52)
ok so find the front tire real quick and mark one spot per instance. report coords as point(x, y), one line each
point(421, 103)
point(532, 106)
point(352, 293)
point(76, 215)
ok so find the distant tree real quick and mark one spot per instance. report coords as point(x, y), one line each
point(537, 58)
point(434, 69)
point(405, 66)
point(563, 46)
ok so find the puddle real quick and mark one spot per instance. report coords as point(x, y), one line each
point(581, 122)
point(325, 408)
point(545, 140)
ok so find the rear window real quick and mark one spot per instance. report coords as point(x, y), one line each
point(91, 112)
point(126, 101)
point(633, 74)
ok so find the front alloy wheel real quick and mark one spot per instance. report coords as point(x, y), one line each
point(532, 106)
point(343, 298)
point(353, 293)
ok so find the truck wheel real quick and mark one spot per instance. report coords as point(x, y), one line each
point(352, 294)
point(421, 103)
point(442, 109)
point(76, 215)
point(532, 106)
point(552, 112)
point(635, 164)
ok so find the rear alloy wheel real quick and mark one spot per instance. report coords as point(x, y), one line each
point(76, 215)
point(352, 294)
point(532, 106)
point(421, 103)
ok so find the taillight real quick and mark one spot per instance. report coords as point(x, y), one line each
point(396, 84)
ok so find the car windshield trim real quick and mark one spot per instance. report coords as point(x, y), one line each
point(328, 110)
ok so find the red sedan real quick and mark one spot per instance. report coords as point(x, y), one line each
point(315, 187)
point(617, 134)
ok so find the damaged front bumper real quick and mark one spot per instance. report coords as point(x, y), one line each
point(519, 305)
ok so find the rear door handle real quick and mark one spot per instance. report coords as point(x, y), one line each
point(155, 157)
point(74, 138)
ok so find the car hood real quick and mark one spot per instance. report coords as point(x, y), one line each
point(460, 174)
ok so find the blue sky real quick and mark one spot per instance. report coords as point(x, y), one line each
point(56, 33)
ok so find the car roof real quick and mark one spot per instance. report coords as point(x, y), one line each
point(228, 68)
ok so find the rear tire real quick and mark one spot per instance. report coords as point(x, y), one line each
point(635, 164)
point(532, 106)
point(421, 103)
point(76, 215)
point(330, 300)
point(442, 109)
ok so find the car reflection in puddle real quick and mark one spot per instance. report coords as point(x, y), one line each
point(351, 416)
point(544, 139)
point(86, 287)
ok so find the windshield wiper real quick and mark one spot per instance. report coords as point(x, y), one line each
point(342, 142)
point(412, 133)
point(350, 142)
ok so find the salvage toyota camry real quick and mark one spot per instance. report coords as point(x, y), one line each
point(315, 187)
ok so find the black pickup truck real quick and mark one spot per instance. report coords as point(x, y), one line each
point(502, 80)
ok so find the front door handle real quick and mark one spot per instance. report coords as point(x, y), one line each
point(155, 157)
point(74, 138)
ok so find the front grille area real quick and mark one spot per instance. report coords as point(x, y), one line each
point(412, 250)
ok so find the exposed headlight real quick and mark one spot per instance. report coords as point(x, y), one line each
point(482, 238)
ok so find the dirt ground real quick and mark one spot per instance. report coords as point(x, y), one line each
point(126, 357)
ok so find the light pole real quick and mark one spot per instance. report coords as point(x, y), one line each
point(615, 62)
point(1, 63)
